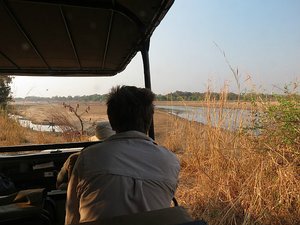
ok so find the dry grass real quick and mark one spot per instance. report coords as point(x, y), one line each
point(13, 134)
point(235, 178)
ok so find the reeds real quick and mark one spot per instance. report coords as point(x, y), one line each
point(234, 177)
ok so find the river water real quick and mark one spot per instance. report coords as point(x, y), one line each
point(231, 119)
point(38, 127)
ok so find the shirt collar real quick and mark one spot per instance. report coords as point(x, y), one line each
point(130, 134)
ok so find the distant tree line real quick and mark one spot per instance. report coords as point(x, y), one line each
point(174, 96)
point(200, 96)
point(85, 98)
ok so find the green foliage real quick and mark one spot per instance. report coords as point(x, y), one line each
point(5, 91)
point(281, 121)
point(286, 118)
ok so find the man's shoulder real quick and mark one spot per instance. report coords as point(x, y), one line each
point(129, 147)
point(91, 148)
point(165, 150)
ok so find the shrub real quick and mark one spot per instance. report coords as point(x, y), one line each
point(281, 121)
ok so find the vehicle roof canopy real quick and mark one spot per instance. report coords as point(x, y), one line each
point(75, 37)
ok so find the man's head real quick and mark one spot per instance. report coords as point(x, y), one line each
point(130, 108)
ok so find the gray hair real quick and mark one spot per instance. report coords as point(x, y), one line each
point(104, 130)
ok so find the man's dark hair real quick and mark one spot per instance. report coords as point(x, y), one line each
point(130, 108)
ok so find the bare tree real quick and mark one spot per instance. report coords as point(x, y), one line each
point(75, 111)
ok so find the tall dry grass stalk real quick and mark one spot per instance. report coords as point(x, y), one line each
point(233, 177)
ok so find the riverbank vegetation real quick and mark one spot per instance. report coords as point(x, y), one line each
point(12, 133)
point(241, 177)
point(249, 176)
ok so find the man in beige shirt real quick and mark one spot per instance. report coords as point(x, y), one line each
point(128, 172)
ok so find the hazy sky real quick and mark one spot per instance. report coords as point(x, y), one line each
point(259, 37)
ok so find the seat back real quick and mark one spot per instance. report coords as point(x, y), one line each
point(168, 216)
point(25, 208)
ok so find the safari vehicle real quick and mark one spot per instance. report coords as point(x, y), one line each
point(67, 38)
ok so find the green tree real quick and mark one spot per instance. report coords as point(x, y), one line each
point(5, 90)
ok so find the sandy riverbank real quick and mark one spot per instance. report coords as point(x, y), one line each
point(44, 113)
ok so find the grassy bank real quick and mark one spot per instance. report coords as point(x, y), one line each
point(238, 177)
point(227, 178)
point(12, 133)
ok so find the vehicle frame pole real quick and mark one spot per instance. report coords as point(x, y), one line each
point(146, 64)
